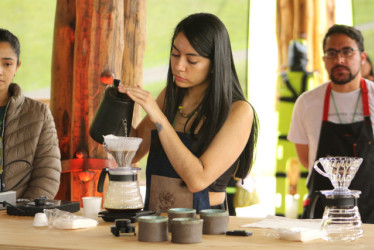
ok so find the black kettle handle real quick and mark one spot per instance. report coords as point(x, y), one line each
point(100, 184)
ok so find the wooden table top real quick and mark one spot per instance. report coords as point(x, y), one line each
point(17, 232)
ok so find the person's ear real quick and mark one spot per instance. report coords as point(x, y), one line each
point(364, 55)
point(19, 64)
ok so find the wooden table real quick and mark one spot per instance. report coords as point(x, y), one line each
point(17, 232)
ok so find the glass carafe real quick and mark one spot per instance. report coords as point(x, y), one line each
point(341, 218)
point(123, 190)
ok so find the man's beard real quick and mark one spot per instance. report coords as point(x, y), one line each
point(343, 80)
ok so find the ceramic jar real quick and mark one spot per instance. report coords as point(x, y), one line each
point(153, 228)
point(180, 213)
point(215, 221)
point(186, 230)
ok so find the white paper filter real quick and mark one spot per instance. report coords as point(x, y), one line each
point(122, 143)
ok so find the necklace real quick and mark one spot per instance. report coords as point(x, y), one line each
point(180, 109)
point(336, 108)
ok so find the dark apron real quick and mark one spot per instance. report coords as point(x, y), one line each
point(354, 140)
point(164, 188)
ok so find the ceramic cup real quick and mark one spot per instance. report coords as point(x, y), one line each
point(91, 207)
point(40, 220)
point(186, 230)
point(153, 228)
point(215, 221)
point(180, 213)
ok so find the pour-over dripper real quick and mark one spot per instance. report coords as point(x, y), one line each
point(122, 148)
point(340, 171)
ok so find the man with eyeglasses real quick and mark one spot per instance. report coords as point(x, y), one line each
point(335, 119)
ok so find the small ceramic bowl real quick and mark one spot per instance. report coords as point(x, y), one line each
point(153, 228)
point(215, 221)
point(186, 230)
point(180, 213)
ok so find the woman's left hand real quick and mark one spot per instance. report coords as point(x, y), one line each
point(144, 99)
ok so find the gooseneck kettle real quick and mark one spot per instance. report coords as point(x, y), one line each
point(114, 114)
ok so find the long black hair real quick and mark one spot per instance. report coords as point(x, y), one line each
point(209, 37)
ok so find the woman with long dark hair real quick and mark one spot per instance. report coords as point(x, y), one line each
point(201, 130)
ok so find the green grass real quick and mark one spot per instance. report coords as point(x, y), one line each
point(32, 21)
point(363, 13)
point(163, 16)
point(369, 42)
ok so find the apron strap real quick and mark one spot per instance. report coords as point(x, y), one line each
point(327, 103)
point(365, 100)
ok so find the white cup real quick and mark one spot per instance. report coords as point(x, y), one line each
point(40, 220)
point(91, 207)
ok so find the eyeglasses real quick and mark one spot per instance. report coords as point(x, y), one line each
point(344, 52)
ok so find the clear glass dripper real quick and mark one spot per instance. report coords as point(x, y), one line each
point(340, 171)
point(122, 148)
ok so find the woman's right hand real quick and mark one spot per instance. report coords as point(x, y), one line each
point(144, 99)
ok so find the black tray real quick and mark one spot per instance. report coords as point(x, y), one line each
point(28, 208)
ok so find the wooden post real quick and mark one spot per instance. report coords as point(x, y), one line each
point(133, 54)
point(91, 37)
point(308, 19)
point(61, 101)
point(284, 28)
